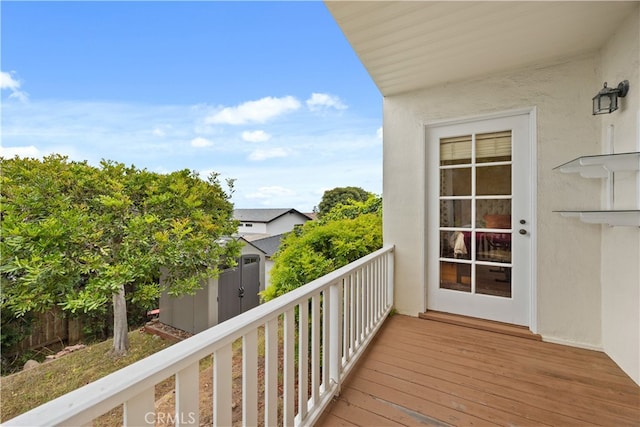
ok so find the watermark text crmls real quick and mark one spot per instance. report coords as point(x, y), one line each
point(182, 418)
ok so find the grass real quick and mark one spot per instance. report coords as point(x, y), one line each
point(28, 389)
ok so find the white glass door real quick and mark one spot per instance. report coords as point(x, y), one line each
point(478, 234)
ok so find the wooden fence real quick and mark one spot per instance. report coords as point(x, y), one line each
point(50, 328)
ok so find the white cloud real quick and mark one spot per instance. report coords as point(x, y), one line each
point(7, 82)
point(255, 136)
point(259, 111)
point(271, 192)
point(10, 152)
point(201, 142)
point(324, 101)
point(263, 154)
point(159, 132)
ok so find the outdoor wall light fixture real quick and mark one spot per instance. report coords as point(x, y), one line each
point(606, 101)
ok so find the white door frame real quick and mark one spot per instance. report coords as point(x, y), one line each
point(531, 112)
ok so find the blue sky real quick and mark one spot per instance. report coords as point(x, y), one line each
point(267, 93)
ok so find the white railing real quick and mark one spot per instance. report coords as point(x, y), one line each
point(332, 320)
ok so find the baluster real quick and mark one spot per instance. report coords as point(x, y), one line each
point(250, 378)
point(367, 302)
point(390, 283)
point(335, 337)
point(222, 386)
point(303, 358)
point(271, 373)
point(140, 409)
point(378, 310)
point(326, 345)
point(347, 309)
point(289, 367)
point(315, 348)
point(187, 396)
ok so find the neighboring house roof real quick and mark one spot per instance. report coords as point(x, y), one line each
point(412, 45)
point(247, 242)
point(312, 215)
point(263, 215)
point(225, 239)
point(269, 245)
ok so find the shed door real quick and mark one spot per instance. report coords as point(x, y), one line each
point(238, 288)
point(479, 209)
point(250, 282)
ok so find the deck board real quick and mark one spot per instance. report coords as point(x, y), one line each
point(424, 372)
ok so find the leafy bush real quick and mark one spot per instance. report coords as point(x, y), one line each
point(346, 233)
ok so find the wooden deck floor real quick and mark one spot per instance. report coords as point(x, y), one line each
point(422, 372)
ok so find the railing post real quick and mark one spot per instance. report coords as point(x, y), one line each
point(335, 333)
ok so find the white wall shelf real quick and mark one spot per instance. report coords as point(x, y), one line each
point(604, 166)
point(599, 166)
point(629, 218)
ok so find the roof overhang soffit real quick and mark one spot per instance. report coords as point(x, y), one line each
point(410, 45)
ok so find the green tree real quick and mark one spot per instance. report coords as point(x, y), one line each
point(79, 237)
point(338, 195)
point(348, 232)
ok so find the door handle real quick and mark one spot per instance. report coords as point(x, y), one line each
point(522, 231)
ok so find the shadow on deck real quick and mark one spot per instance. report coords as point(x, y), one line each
point(419, 372)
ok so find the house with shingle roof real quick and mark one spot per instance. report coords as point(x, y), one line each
point(261, 223)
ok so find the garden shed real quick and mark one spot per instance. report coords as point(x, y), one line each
point(233, 292)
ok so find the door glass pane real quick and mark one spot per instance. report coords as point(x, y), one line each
point(455, 244)
point(493, 180)
point(455, 213)
point(455, 276)
point(493, 213)
point(455, 150)
point(491, 280)
point(494, 247)
point(493, 147)
point(455, 182)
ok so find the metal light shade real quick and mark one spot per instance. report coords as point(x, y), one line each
point(606, 101)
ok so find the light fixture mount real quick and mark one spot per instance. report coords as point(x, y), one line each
point(606, 101)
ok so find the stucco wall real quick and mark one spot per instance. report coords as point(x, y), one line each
point(620, 60)
point(285, 223)
point(568, 253)
point(248, 227)
point(587, 276)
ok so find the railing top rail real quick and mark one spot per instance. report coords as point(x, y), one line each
point(94, 399)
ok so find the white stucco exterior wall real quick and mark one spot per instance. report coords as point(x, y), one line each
point(568, 252)
point(620, 60)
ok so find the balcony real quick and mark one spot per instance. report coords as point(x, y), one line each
point(413, 371)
